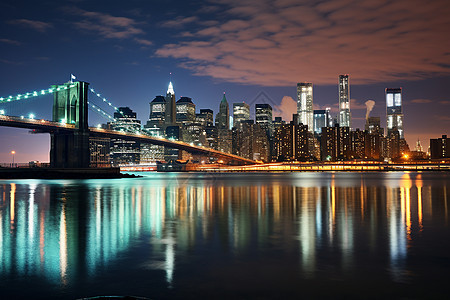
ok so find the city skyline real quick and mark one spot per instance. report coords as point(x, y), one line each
point(127, 54)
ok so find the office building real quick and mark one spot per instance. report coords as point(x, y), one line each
point(305, 104)
point(263, 116)
point(125, 152)
point(322, 118)
point(241, 112)
point(185, 111)
point(440, 147)
point(205, 117)
point(291, 142)
point(394, 114)
point(344, 102)
point(223, 127)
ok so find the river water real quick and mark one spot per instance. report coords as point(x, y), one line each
point(230, 236)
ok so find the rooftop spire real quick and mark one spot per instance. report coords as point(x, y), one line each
point(224, 99)
point(170, 89)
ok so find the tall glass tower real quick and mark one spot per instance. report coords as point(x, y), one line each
point(223, 116)
point(344, 102)
point(394, 114)
point(305, 104)
point(170, 116)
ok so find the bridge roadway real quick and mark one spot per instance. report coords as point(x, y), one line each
point(54, 127)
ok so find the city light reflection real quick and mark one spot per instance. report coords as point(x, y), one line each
point(62, 230)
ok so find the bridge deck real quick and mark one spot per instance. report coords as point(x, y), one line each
point(53, 127)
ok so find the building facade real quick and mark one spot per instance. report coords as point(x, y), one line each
point(394, 114)
point(241, 112)
point(305, 104)
point(344, 101)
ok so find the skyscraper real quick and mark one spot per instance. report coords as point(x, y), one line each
point(125, 152)
point(241, 112)
point(223, 127)
point(305, 104)
point(223, 116)
point(185, 111)
point(170, 115)
point(263, 114)
point(322, 118)
point(394, 115)
point(344, 102)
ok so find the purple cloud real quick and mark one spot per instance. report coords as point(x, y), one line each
point(36, 25)
point(281, 42)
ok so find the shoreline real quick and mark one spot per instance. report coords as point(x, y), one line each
point(63, 173)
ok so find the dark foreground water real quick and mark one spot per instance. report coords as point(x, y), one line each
point(206, 236)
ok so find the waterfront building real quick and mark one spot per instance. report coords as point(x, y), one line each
point(99, 149)
point(440, 147)
point(344, 143)
point(125, 152)
point(394, 114)
point(253, 141)
point(291, 142)
point(344, 102)
point(305, 104)
point(373, 145)
point(329, 143)
point(357, 144)
point(335, 143)
point(241, 112)
point(322, 118)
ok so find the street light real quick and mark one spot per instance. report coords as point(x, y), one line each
point(13, 152)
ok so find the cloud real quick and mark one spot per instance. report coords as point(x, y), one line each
point(421, 101)
point(444, 102)
point(286, 109)
point(105, 25)
point(36, 25)
point(143, 42)
point(443, 118)
point(11, 42)
point(282, 42)
point(179, 22)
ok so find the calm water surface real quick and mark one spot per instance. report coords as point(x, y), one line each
point(180, 235)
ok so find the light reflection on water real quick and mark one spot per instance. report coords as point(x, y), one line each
point(331, 225)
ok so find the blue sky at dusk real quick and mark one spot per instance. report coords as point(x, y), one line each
point(255, 51)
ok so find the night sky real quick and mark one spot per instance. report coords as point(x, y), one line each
point(255, 51)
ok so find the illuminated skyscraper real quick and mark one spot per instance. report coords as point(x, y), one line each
point(185, 111)
point(170, 115)
point(305, 104)
point(394, 115)
point(322, 118)
point(241, 112)
point(263, 115)
point(344, 102)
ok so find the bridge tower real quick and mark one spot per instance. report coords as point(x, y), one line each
point(70, 106)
